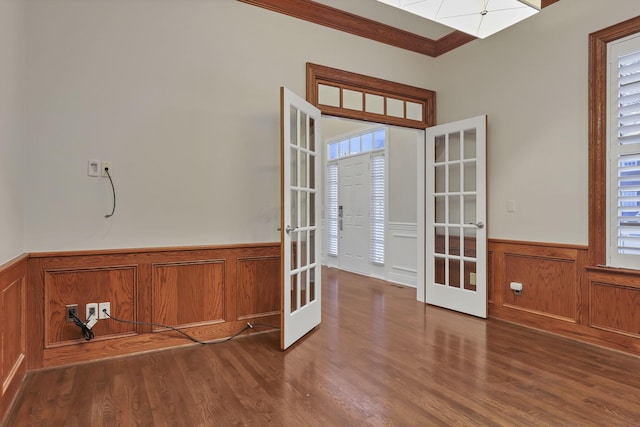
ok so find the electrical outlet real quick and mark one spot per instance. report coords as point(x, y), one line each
point(91, 311)
point(472, 278)
point(101, 310)
point(107, 165)
point(71, 308)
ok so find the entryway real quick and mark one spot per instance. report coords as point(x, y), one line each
point(370, 211)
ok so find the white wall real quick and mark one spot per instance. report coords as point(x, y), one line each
point(402, 207)
point(403, 174)
point(11, 182)
point(532, 81)
point(182, 96)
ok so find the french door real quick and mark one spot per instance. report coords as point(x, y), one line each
point(300, 232)
point(455, 273)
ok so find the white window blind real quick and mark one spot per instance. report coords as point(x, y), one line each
point(377, 168)
point(332, 209)
point(624, 152)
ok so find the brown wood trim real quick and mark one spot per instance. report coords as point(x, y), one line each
point(95, 276)
point(552, 277)
point(320, 73)
point(13, 329)
point(574, 331)
point(620, 272)
point(591, 304)
point(598, 134)
point(92, 252)
point(15, 261)
point(540, 313)
point(328, 16)
point(115, 283)
point(337, 19)
point(452, 41)
point(188, 294)
point(529, 243)
point(96, 350)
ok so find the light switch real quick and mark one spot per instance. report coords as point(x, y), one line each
point(511, 205)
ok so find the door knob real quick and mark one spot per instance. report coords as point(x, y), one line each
point(289, 229)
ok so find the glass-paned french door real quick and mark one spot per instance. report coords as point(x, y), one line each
point(300, 236)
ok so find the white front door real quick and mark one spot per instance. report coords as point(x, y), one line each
point(353, 211)
point(300, 231)
point(455, 263)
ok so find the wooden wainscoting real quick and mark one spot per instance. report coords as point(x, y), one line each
point(257, 280)
point(13, 288)
point(115, 284)
point(209, 292)
point(550, 276)
point(188, 294)
point(562, 295)
point(614, 301)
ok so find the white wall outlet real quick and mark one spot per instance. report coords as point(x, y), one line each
point(472, 278)
point(93, 167)
point(106, 165)
point(91, 311)
point(511, 205)
point(516, 287)
point(101, 309)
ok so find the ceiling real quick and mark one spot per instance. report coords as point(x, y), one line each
point(376, 21)
point(392, 16)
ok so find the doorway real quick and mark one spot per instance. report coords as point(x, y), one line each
point(370, 211)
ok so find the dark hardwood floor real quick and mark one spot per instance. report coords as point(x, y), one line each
point(379, 358)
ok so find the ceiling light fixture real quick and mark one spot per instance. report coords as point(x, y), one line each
point(480, 18)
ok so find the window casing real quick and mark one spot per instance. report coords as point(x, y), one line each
point(601, 209)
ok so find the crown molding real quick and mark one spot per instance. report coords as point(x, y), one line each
point(331, 17)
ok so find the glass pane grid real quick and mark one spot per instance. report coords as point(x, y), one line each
point(357, 144)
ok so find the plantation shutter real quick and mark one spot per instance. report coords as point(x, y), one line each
point(332, 209)
point(377, 167)
point(625, 158)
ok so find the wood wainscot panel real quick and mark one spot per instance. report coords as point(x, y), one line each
point(188, 294)
point(258, 287)
point(184, 287)
point(549, 284)
point(12, 329)
point(614, 298)
point(114, 284)
point(550, 275)
point(589, 304)
point(490, 290)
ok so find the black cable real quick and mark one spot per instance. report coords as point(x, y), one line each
point(86, 332)
point(113, 189)
point(132, 322)
point(266, 325)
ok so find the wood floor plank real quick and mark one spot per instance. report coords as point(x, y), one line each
point(379, 358)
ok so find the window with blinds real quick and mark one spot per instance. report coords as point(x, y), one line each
point(376, 251)
point(624, 153)
point(332, 209)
